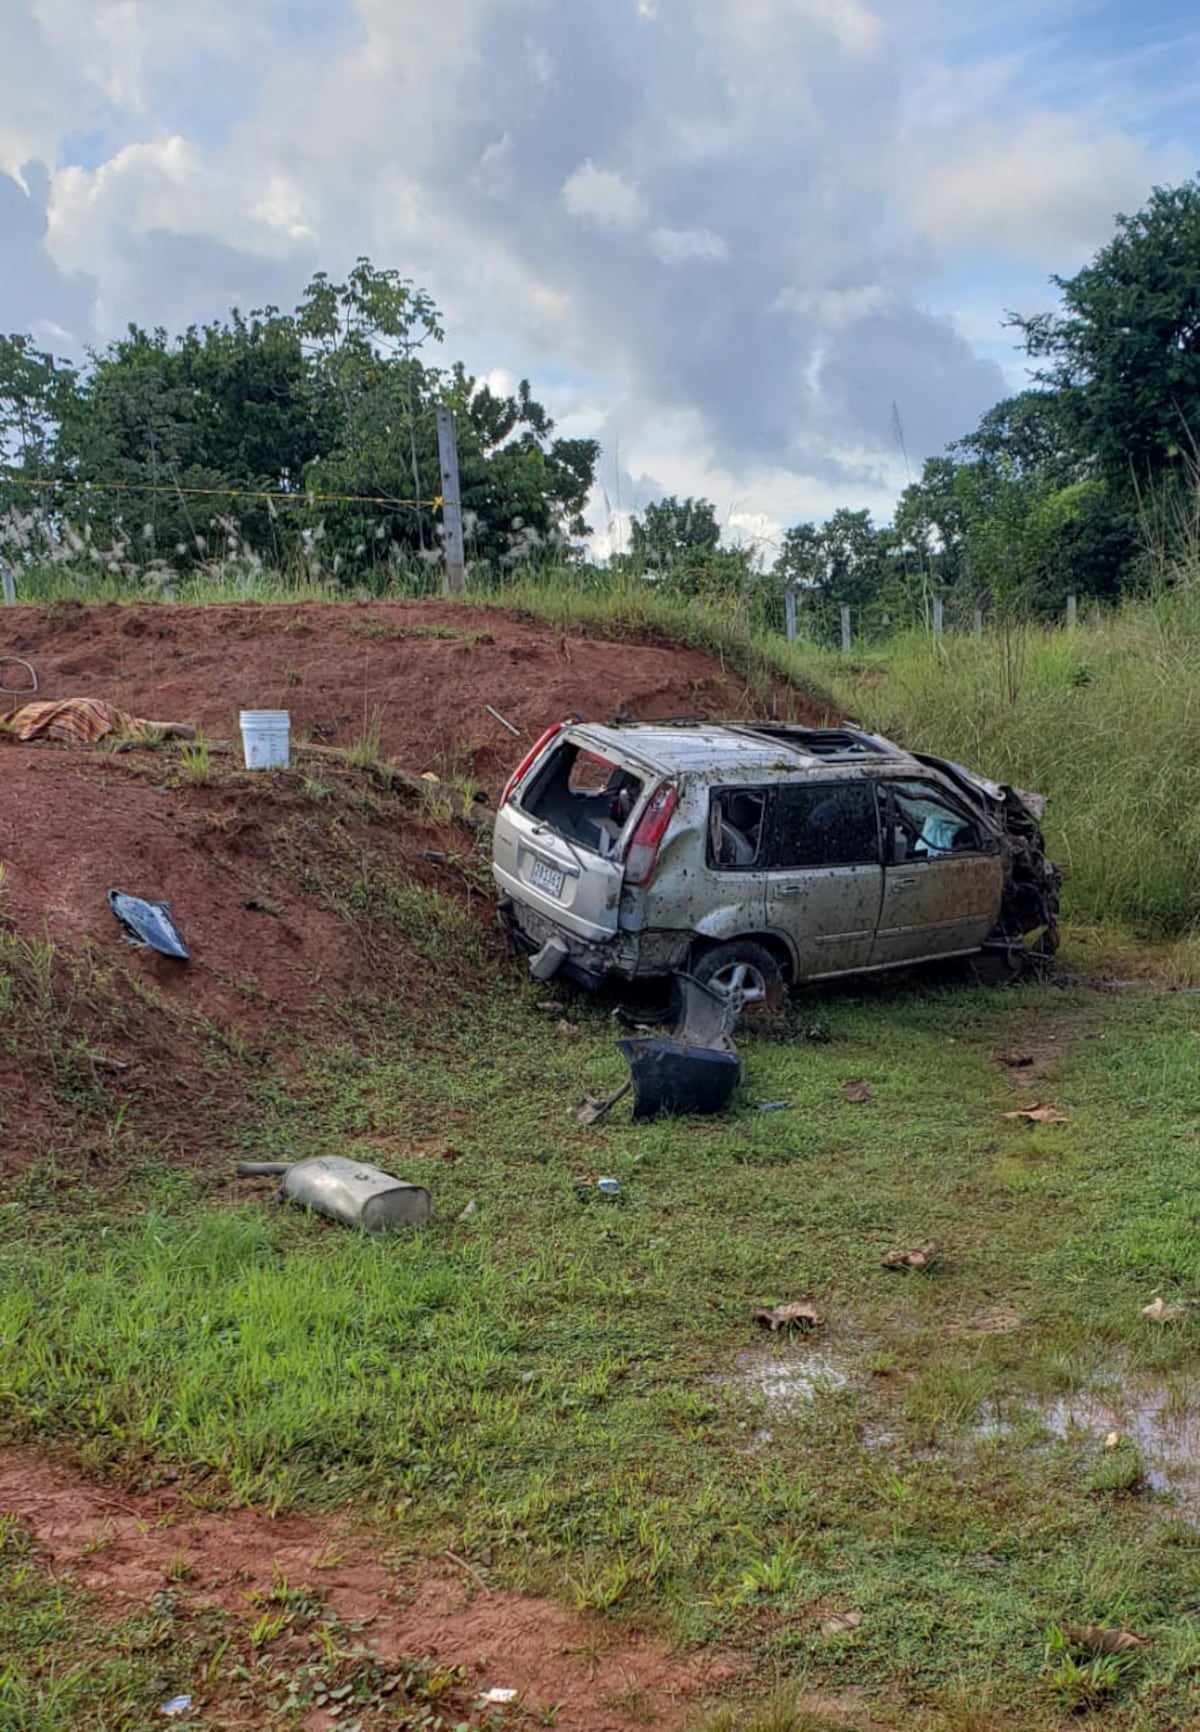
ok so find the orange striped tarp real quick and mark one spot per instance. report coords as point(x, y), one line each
point(79, 721)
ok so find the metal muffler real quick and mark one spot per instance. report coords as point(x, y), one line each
point(355, 1194)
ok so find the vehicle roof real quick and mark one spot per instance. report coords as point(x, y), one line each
point(736, 749)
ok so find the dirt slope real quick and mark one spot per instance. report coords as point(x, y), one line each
point(291, 890)
point(422, 672)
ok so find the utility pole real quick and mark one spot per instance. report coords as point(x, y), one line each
point(452, 529)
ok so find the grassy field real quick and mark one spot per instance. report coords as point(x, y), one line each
point(577, 1387)
point(1104, 719)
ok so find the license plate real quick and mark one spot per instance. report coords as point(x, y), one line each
point(546, 877)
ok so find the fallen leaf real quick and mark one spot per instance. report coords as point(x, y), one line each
point(1039, 1115)
point(857, 1091)
point(841, 1623)
point(920, 1257)
point(565, 1027)
point(471, 1210)
point(1099, 1640)
point(798, 1314)
point(1158, 1311)
point(1016, 1060)
point(987, 1323)
point(551, 1006)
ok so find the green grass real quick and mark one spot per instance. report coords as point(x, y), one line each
point(1104, 719)
point(569, 1383)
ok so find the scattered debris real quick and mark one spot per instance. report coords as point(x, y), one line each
point(609, 1187)
point(497, 1698)
point(774, 1106)
point(262, 1169)
point(435, 857)
point(856, 1090)
point(1158, 1311)
point(592, 1108)
point(1038, 1114)
point(551, 1006)
point(503, 720)
point(918, 1258)
point(1112, 1440)
point(148, 924)
point(18, 691)
point(797, 1314)
point(1099, 1640)
point(693, 1069)
point(817, 1035)
point(357, 1195)
point(1016, 1060)
point(175, 1707)
point(841, 1623)
point(565, 1027)
point(471, 1210)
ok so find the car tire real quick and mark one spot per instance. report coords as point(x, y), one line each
point(745, 967)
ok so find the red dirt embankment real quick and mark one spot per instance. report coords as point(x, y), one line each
point(422, 671)
point(277, 882)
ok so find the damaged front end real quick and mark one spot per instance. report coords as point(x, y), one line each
point(1028, 923)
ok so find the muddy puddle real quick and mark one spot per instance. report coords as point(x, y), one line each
point(784, 1383)
point(1159, 1417)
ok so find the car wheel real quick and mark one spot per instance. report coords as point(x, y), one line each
point(746, 969)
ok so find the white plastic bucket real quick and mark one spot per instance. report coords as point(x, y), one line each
point(265, 739)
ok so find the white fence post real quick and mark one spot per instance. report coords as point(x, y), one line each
point(1072, 611)
point(845, 630)
point(7, 582)
point(789, 605)
point(937, 616)
point(452, 530)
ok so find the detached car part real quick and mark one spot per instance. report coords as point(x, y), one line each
point(693, 1069)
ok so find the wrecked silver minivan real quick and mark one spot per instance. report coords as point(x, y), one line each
point(756, 856)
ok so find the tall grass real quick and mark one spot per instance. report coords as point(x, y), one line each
point(1104, 719)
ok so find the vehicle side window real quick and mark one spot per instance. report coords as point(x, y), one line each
point(925, 826)
point(736, 820)
point(827, 824)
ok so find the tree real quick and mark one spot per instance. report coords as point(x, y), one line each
point(1124, 352)
point(677, 543)
point(673, 532)
point(275, 433)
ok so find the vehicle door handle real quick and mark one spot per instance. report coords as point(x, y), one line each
point(790, 890)
point(900, 883)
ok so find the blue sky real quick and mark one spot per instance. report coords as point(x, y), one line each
point(730, 238)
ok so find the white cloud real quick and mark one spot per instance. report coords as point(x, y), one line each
point(1044, 190)
point(603, 199)
point(836, 309)
point(536, 166)
point(687, 246)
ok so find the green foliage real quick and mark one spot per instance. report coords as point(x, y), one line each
point(305, 439)
point(1124, 353)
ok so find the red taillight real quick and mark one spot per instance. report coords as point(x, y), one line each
point(642, 858)
point(530, 755)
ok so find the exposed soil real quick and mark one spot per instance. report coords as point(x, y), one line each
point(128, 1547)
point(422, 670)
point(277, 883)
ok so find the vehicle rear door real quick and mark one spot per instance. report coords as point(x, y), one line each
point(558, 846)
point(944, 879)
point(823, 872)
